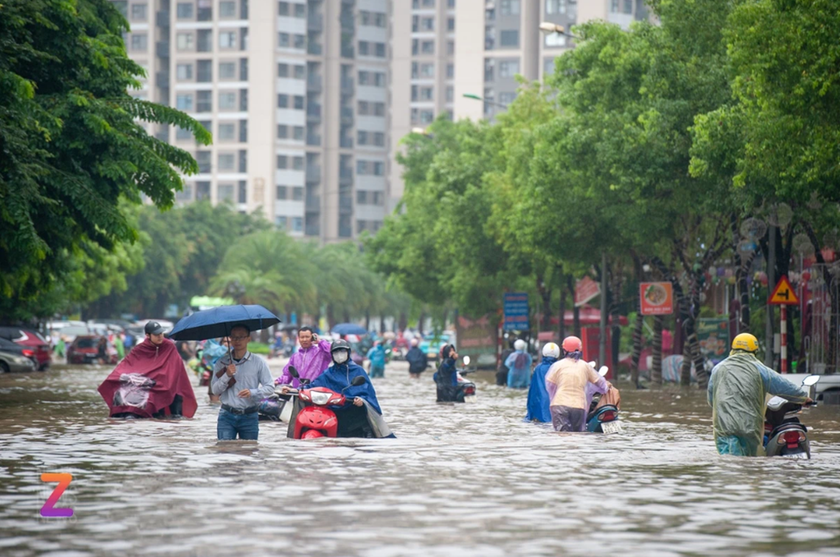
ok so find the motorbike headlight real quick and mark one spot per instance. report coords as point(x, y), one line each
point(320, 398)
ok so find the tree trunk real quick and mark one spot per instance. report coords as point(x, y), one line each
point(637, 349)
point(403, 321)
point(561, 326)
point(696, 354)
point(656, 364)
point(743, 264)
point(570, 284)
point(685, 370)
point(545, 295)
point(367, 320)
point(615, 308)
point(420, 322)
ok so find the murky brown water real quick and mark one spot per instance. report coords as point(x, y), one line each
point(459, 480)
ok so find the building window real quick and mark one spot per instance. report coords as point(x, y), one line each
point(509, 38)
point(555, 6)
point(202, 190)
point(243, 161)
point(298, 132)
point(362, 137)
point(282, 70)
point(300, 11)
point(297, 224)
point(507, 98)
point(227, 100)
point(282, 193)
point(300, 72)
point(300, 42)
point(204, 101)
point(361, 197)
point(282, 131)
point(204, 161)
point(379, 169)
point(450, 94)
point(243, 131)
point(297, 163)
point(548, 66)
point(283, 9)
point(379, 109)
point(139, 12)
point(243, 100)
point(226, 193)
point(379, 138)
point(450, 24)
point(185, 10)
point(205, 10)
point(139, 41)
point(450, 4)
point(243, 191)
point(227, 39)
point(364, 48)
point(184, 102)
point(450, 71)
point(508, 68)
point(297, 194)
point(379, 50)
point(282, 162)
point(299, 100)
point(509, 7)
point(184, 72)
point(283, 40)
point(227, 132)
point(361, 167)
point(282, 100)
point(227, 10)
point(226, 161)
point(227, 70)
point(182, 134)
point(280, 222)
point(450, 48)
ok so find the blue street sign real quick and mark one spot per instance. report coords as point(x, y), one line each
point(516, 311)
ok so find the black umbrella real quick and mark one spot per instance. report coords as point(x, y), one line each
point(217, 322)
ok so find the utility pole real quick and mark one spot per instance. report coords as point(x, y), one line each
point(602, 335)
point(771, 283)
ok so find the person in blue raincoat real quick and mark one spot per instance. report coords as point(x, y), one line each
point(538, 400)
point(376, 355)
point(362, 417)
point(737, 391)
point(519, 366)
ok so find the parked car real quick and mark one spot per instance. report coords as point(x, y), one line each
point(12, 361)
point(85, 350)
point(70, 333)
point(31, 340)
point(433, 342)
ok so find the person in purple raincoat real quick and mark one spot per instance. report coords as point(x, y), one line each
point(310, 361)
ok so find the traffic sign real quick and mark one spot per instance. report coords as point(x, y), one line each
point(783, 294)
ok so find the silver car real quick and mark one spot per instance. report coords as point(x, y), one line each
point(13, 362)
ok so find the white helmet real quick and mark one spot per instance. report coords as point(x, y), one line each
point(551, 350)
point(520, 345)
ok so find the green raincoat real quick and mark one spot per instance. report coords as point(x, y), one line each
point(737, 391)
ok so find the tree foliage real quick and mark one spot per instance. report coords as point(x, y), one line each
point(72, 143)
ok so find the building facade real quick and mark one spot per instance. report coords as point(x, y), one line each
point(295, 94)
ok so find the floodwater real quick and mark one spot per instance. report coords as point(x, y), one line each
point(467, 480)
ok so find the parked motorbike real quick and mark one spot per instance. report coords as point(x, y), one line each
point(603, 418)
point(465, 388)
point(784, 434)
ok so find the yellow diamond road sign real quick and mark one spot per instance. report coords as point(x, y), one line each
point(784, 294)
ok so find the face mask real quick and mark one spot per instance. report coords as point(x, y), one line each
point(340, 356)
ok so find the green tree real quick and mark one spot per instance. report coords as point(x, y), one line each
point(72, 140)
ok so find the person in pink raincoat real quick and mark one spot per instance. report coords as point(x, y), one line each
point(310, 361)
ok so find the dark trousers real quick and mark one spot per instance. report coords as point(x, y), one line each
point(353, 422)
point(565, 418)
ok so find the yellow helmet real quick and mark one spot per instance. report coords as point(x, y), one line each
point(745, 341)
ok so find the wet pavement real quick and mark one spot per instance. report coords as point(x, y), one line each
point(463, 480)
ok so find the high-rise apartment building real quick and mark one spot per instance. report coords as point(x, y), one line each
point(295, 94)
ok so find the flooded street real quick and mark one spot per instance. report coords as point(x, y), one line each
point(459, 480)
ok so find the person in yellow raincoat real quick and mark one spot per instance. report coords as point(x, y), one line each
point(737, 391)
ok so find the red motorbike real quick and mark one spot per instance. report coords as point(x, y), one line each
point(316, 419)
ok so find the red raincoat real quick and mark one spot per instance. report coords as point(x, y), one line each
point(147, 381)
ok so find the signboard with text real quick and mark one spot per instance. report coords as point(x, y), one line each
point(516, 311)
point(713, 336)
point(657, 298)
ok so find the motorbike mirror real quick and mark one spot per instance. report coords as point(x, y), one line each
point(294, 372)
point(603, 371)
point(358, 381)
point(810, 380)
point(466, 360)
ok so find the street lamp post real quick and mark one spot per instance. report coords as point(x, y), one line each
point(486, 101)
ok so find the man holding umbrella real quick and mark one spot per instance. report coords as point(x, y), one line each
point(245, 381)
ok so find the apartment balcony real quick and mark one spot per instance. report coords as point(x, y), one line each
point(315, 23)
point(347, 115)
point(162, 79)
point(346, 85)
point(313, 140)
point(345, 175)
point(314, 84)
point(345, 143)
point(313, 174)
point(313, 112)
point(345, 206)
point(162, 49)
point(162, 18)
point(315, 49)
point(313, 204)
